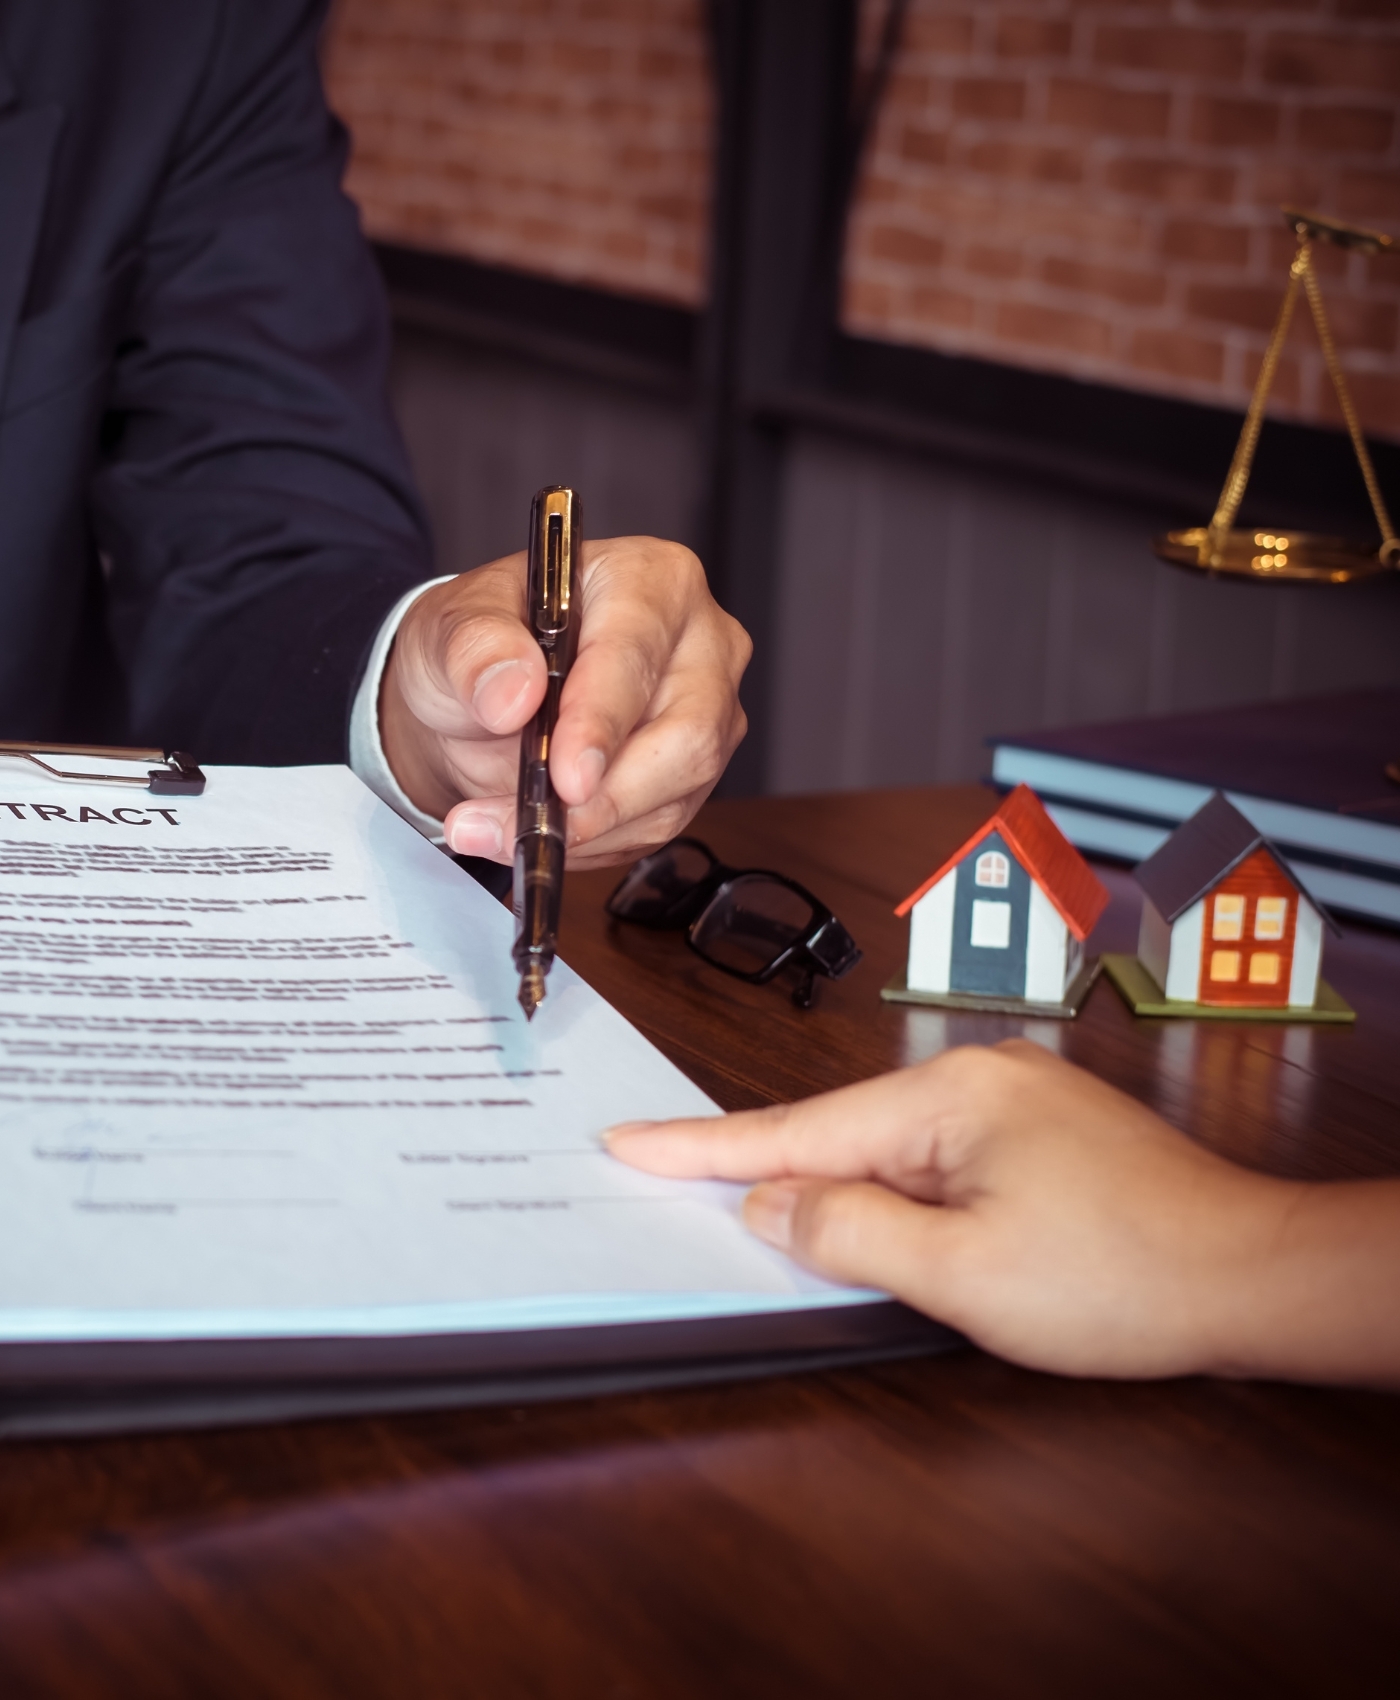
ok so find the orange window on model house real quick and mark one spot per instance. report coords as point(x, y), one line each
point(1247, 940)
point(1227, 916)
point(1271, 917)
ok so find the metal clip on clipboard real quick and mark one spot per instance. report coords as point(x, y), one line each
point(178, 776)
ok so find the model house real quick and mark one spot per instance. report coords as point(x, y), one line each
point(1006, 916)
point(1225, 920)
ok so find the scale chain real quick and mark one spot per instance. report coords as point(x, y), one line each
point(1390, 544)
point(1236, 480)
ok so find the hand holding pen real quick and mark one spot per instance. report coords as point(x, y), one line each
point(647, 722)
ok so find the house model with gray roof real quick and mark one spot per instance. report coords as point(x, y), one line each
point(1228, 928)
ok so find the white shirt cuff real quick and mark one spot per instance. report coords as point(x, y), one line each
point(367, 759)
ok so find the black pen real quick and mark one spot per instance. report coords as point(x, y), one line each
point(552, 614)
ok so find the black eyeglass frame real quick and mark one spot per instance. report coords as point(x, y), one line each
point(825, 948)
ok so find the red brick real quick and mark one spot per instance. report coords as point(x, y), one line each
point(907, 91)
point(1231, 121)
point(1369, 195)
point(639, 162)
point(609, 11)
point(1033, 38)
point(1286, 390)
point(989, 97)
point(1361, 324)
point(1332, 62)
point(879, 190)
point(575, 58)
point(1379, 272)
point(1376, 396)
point(656, 65)
point(864, 300)
point(1346, 129)
point(1174, 181)
point(1052, 327)
point(670, 209)
point(1178, 354)
point(1108, 111)
point(1025, 160)
point(944, 307)
point(1186, 52)
point(929, 32)
point(1294, 6)
point(1101, 6)
point(1279, 182)
point(908, 247)
point(1079, 220)
point(928, 147)
point(993, 262)
point(627, 245)
point(1132, 288)
point(1254, 307)
point(1212, 244)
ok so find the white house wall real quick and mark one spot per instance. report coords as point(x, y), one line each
point(1154, 942)
point(1184, 964)
point(1307, 956)
point(1046, 950)
point(931, 937)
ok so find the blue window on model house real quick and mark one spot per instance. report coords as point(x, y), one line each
point(991, 920)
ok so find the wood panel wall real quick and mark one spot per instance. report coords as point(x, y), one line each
point(922, 607)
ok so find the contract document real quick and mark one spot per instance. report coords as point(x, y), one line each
point(263, 1076)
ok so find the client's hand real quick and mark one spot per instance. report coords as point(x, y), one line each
point(1059, 1223)
point(649, 718)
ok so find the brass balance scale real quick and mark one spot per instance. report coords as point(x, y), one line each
point(1279, 554)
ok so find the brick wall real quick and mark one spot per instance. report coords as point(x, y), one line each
point(569, 137)
point(1082, 186)
point(1093, 188)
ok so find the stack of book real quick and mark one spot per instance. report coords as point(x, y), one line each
point(1320, 776)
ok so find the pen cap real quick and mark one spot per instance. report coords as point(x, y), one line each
point(555, 536)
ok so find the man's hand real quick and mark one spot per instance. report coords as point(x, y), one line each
point(649, 718)
point(1059, 1223)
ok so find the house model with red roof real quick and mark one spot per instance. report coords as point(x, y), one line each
point(1002, 922)
point(1227, 925)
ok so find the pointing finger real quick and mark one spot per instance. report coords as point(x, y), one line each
point(885, 1126)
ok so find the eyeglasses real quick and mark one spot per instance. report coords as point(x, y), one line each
point(747, 921)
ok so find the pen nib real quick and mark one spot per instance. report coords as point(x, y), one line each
point(531, 990)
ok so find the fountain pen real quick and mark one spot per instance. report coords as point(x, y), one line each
point(553, 615)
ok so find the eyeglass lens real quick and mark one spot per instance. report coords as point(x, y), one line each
point(750, 922)
point(658, 883)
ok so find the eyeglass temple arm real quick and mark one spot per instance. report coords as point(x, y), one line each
point(832, 949)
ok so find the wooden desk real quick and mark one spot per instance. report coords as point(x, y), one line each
point(944, 1526)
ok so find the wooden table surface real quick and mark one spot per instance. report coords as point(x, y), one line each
point(946, 1525)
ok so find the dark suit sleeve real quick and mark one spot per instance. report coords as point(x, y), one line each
point(253, 505)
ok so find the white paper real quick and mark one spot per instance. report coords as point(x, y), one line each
point(262, 1073)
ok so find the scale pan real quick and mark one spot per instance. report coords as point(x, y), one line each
point(1273, 557)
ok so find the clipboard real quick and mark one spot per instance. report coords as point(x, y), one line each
point(177, 775)
point(51, 1389)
